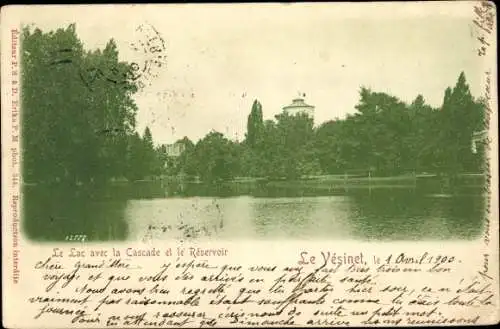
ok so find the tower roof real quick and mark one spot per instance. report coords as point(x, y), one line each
point(298, 103)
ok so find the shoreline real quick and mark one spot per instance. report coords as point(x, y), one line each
point(310, 180)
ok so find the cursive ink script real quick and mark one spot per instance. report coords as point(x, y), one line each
point(189, 286)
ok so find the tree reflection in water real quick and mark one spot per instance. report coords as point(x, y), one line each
point(252, 210)
point(55, 213)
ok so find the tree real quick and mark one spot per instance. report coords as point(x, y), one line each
point(255, 124)
point(381, 126)
point(421, 142)
point(77, 114)
point(217, 158)
point(328, 143)
point(136, 166)
point(186, 142)
point(291, 140)
point(148, 138)
point(460, 116)
point(150, 157)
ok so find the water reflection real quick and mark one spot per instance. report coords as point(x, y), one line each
point(55, 213)
point(235, 211)
point(301, 217)
point(409, 214)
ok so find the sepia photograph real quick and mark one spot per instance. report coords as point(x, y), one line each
point(250, 165)
point(300, 128)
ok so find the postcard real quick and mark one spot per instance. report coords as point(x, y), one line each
point(249, 165)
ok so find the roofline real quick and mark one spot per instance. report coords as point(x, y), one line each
point(297, 106)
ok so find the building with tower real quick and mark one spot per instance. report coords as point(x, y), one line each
point(299, 106)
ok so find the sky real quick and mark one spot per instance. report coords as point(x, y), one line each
point(220, 58)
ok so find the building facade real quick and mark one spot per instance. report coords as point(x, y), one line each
point(478, 137)
point(175, 150)
point(299, 106)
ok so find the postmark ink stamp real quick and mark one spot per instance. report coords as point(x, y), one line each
point(152, 47)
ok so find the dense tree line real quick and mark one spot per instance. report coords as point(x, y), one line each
point(78, 112)
point(79, 127)
point(384, 137)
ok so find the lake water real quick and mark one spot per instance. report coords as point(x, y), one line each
point(152, 211)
